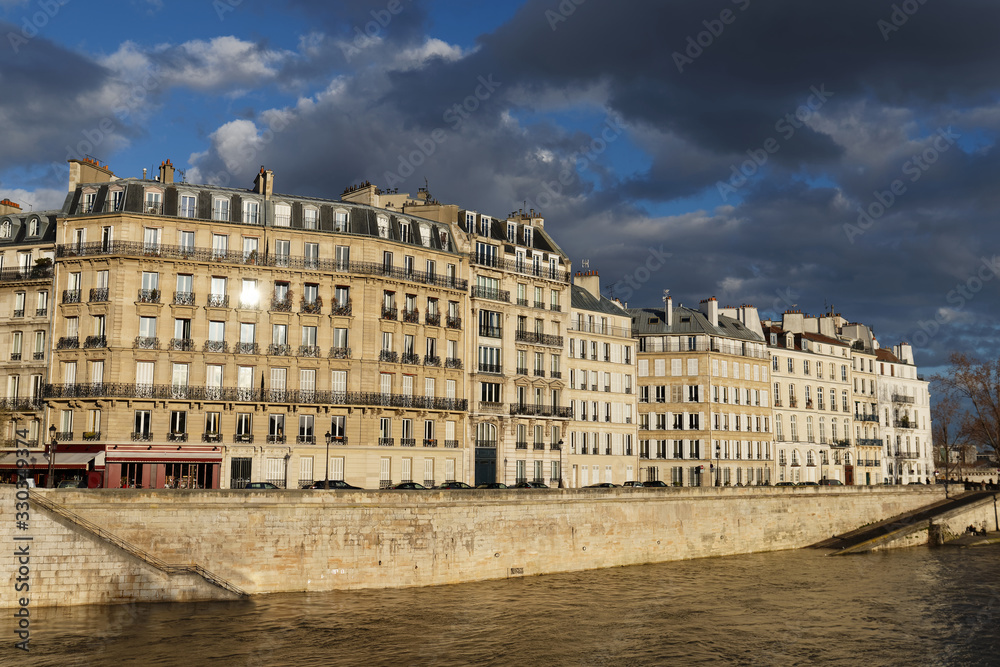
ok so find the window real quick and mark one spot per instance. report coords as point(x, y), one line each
point(282, 215)
point(340, 221)
point(310, 218)
point(220, 209)
point(188, 206)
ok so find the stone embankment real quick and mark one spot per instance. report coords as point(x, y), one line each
point(110, 546)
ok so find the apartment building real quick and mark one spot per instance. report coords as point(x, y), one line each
point(704, 407)
point(812, 418)
point(903, 400)
point(26, 249)
point(213, 336)
point(519, 309)
point(602, 364)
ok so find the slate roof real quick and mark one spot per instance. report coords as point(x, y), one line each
point(650, 321)
point(581, 299)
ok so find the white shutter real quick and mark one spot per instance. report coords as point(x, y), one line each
point(407, 472)
point(278, 379)
point(643, 368)
point(429, 469)
point(385, 383)
point(337, 468)
point(385, 470)
point(670, 421)
point(306, 468)
point(692, 368)
point(429, 387)
point(715, 368)
point(449, 430)
point(675, 367)
point(407, 385)
point(449, 389)
point(339, 381)
point(143, 372)
point(69, 372)
point(660, 367)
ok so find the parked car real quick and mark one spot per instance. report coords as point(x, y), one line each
point(530, 485)
point(492, 485)
point(635, 484)
point(334, 484)
point(73, 484)
point(260, 485)
point(830, 482)
point(656, 484)
point(807, 484)
point(602, 485)
point(409, 486)
point(452, 485)
point(785, 484)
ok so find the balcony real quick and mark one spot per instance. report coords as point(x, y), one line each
point(248, 305)
point(182, 344)
point(215, 346)
point(453, 362)
point(540, 410)
point(521, 371)
point(15, 356)
point(528, 268)
point(247, 348)
point(177, 437)
point(430, 360)
point(305, 439)
point(141, 436)
point(555, 446)
point(491, 408)
point(555, 308)
point(841, 443)
point(30, 403)
point(68, 343)
point(385, 442)
point(211, 436)
point(146, 343)
point(343, 309)
point(340, 353)
point(538, 338)
point(99, 295)
point(866, 418)
point(792, 403)
point(410, 358)
point(453, 322)
point(279, 349)
point(411, 316)
point(907, 455)
point(430, 442)
point(389, 356)
point(63, 436)
point(309, 351)
point(541, 445)
point(183, 298)
point(494, 369)
point(522, 302)
point(520, 445)
point(38, 356)
point(905, 423)
point(539, 373)
point(479, 292)
point(451, 444)
point(407, 442)
point(283, 305)
point(390, 313)
point(71, 296)
point(870, 442)
point(901, 398)
point(148, 296)
point(91, 436)
point(245, 438)
point(433, 319)
point(314, 307)
point(95, 341)
point(17, 274)
point(218, 301)
point(337, 439)
point(274, 439)
point(41, 312)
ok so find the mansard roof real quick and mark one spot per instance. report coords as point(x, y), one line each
point(650, 321)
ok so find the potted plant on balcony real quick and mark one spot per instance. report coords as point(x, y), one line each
point(42, 266)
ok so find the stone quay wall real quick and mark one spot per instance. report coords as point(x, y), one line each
point(283, 541)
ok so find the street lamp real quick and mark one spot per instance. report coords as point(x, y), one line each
point(328, 438)
point(718, 463)
point(50, 482)
point(561, 465)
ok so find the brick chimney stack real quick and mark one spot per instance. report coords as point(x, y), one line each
point(166, 172)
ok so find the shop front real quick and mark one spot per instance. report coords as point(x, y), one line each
point(131, 466)
point(80, 463)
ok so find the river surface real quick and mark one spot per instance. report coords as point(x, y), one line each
point(906, 607)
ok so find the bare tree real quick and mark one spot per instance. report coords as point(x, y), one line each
point(978, 384)
point(947, 418)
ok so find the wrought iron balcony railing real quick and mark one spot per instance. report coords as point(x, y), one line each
point(99, 294)
point(71, 296)
point(146, 343)
point(182, 344)
point(183, 298)
point(215, 346)
point(148, 296)
point(95, 341)
point(279, 349)
point(340, 352)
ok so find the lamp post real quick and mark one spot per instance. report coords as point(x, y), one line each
point(718, 464)
point(560, 465)
point(50, 481)
point(327, 475)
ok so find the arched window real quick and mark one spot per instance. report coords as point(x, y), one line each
point(486, 435)
point(793, 427)
point(5, 229)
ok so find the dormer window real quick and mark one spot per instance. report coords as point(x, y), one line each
point(5, 230)
point(383, 228)
point(220, 209)
point(154, 202)
point(404, 232)
point(34, 227)
point(470, 219)
point(310, 218)
point(89, 198)
point(425, 236)
point(484, 226)
point(512, 232)
point(340, 221)
point(774, 339)
point(251, 210)
point(527, 236)
point(116, 198)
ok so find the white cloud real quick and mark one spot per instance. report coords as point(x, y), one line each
point(42, 199)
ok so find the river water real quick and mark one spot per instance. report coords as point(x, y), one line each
point(906, 607)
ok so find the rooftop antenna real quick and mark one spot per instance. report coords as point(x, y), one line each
point(666, 295)
point(585, 263)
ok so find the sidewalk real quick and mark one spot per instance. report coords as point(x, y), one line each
point(991, 537)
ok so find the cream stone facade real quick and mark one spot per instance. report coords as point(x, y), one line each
point(904, 405)
point(812, 419)
point(704, 404)
point(26, 249)
point(215, 336)
point(603, 437)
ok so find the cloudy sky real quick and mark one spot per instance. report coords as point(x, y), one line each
point(782, 153)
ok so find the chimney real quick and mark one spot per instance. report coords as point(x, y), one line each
point(710, 309)
point(143, 173)
point(88, 170)
point(589, 281)
point(166, 172)
point(7, 206)
point(668, 308)
point(263, 183)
